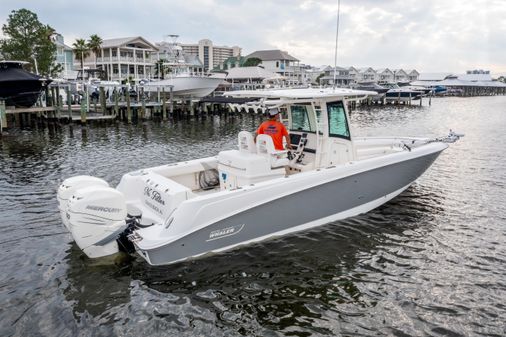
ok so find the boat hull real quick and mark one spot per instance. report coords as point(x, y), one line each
point(403, 96)
point(22, 94)
point(186, 86)
point(309, 207)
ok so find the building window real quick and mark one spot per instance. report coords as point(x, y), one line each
point(206, 57)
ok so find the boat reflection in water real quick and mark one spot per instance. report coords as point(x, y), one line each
point(96, 286)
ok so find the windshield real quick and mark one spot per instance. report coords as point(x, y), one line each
point(300, 118)
point(338, 125)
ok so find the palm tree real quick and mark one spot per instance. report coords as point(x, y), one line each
point(94, 44)
point(81, 51)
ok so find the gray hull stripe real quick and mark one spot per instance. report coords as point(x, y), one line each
point(298, 208)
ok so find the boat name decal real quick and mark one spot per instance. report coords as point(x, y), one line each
point(150, 205)
point(224, 232)
point(103, 209)
point(154, 195)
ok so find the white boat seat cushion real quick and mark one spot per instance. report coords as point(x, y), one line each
point(265, 147)
point(246, 142)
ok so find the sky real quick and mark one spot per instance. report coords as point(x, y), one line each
point(426, 35)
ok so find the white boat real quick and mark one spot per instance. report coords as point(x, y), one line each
point(183, 77)
point(186, 85)
point(184, 210)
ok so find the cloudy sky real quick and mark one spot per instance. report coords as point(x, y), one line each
point(427, 35)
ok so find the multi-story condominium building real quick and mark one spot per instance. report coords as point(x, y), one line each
point(280, 62)
point(64, 57)
point(210, 55)
point(120, 59)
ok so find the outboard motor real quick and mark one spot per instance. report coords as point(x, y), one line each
point(96, 217)
point(67, 189)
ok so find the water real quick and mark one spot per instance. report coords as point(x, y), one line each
point(432, 262)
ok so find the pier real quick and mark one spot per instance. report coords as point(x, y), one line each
point(57, 104)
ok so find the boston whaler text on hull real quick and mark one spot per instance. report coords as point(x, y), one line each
point(177, 211)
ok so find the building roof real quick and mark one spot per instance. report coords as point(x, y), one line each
point(192, 60)
point(124, 41)
point(409, 71)
point(454, 82)
point(366, 69)
point(302, 93)
point(475, 77)
point(397, 71)
point(272, 55)
point(381, 70)
point(250, 72)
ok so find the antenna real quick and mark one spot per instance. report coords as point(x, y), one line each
point(337, 36)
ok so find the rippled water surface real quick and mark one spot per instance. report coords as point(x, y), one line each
point(432, 262)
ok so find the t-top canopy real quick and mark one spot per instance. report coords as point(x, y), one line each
point(303, 93)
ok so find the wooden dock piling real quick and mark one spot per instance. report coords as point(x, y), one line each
point(101, 95)
point(69, 103)
point(171, 102)
point(129, 109)
point(164, 106)
point(3, 116)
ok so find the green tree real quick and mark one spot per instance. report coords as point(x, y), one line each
point(252, 62)
point(318, 79)
point(160, 69)
point(81, 51)
point(94, 44)
point(27, 39)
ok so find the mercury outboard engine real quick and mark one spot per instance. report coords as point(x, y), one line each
point(67, 189)
point(94, 214)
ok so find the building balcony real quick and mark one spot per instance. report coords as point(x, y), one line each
point(124, 59)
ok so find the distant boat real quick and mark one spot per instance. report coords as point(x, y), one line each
point(19, 87)
point(372, 86)
point(402, 94)
point(186, 85)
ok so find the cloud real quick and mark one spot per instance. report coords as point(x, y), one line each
point(429, 35)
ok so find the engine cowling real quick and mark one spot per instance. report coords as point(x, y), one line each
point(96, 217)
point(67, 189)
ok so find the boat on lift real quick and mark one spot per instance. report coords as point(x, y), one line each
point(398, 93)
point(185, 77)
point(19, 87)
point(184, 210)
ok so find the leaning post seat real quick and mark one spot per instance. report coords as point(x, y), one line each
point(246, 142)
point(265, 147)
point(245, 166)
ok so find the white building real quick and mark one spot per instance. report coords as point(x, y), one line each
point(384, 75)
point(412, 74)
point(401, 76)
point(280, 62)
point(210, 55)
point(250, 77)
point(122, 59)
point(341, 75)
point(367, 74)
